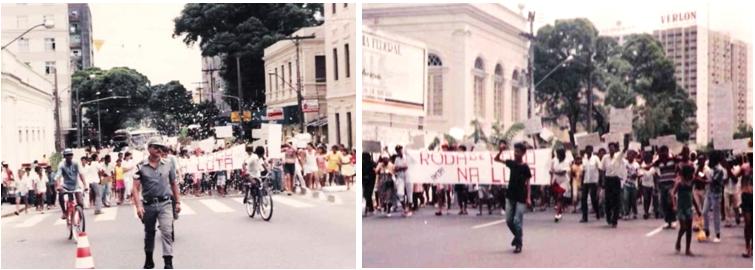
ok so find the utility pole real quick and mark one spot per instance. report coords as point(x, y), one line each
point(241, 95)
point(212, 71)
point(589, 91)
point(58, 135)
point(297, 41)
point(531, 92)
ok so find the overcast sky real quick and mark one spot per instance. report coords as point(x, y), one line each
point(733, 16)
point(139, 36)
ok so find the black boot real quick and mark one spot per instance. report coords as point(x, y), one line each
point(168, 262)
point(148, 262)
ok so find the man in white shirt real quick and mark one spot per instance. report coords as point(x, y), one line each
point(254, 164)
point(91, 170)
point(591, 174)
point(560, 167)
point(615, 170)
point(129, 166)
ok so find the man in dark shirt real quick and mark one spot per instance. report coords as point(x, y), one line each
point(666, 167)
point(517, 195)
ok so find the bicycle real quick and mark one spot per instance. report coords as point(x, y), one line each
point(258, 197)
point(75, 220)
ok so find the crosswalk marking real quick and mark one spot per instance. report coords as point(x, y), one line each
point(238, 200)
point(489, 224)
point(186, 210)
point(107, 214)
point(216, 206)
point(32, 221)
point(59, 221)
point(291, 202)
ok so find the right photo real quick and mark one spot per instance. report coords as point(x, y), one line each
point(556, 134)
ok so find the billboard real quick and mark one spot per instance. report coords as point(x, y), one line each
point(393, 71)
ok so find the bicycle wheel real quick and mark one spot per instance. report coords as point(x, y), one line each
point(250, 205)
point(265, 205)
point(81, 227)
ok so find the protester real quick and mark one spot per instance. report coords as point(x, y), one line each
point(518, 193)
point(747, 204)
point(107, 169)
point(666, 167)
point(648, 175)
point(713, 195)
point(23, 185)
point(322, 169)
point(731, 193)
point(403, 185)
point(310, 166)
point(90, 170)
point(368, 182)
point(387, 194)
point(592, 166)
point(347, 168)
point(40, 187)
point(615, 171)
point(699, 184)
point(684, 204)
point(334, 160)
point(576, 172)
point(560, 180)
point(120, 187)
point(630, 186)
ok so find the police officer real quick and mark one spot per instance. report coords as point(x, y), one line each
point(155, 191)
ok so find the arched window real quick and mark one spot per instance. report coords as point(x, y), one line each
point(498, 93)
point(434, 85)
point(515, 99)
point(479, 87)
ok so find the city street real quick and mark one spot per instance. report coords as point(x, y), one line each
point(425, 240)
point(211, 232)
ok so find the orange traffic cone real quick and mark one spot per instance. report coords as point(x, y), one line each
point(84, 258)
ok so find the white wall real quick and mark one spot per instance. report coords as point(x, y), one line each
point(340, 29)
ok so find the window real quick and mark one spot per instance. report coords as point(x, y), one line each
point(74, 14)
point(276, 79)
point(49, 44)
point(23, 44)
point(335, 64)
point(22, 21)
point(498, 93)
point(346, 58)
point(283, 79)
point(320, 68)
point(345, 5)
point(290, 74)
point(74, 28)
point(20, 137)
point(49, 67)
point(515, 83)
point(434, 85)
point(338, 128)
point(479, 88)
point(334, 8)
point(348, 129)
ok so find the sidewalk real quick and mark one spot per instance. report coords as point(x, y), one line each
point(8, 209)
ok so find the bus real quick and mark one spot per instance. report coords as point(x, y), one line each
point(133, 139)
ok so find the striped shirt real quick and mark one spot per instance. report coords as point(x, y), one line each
point(666, 170)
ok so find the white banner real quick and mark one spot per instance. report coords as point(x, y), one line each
point(230, 159)
point(636, 146)
point(223, 132)
point(740, 146)
point(583, 140)
point(473, 167)
point(614, 137)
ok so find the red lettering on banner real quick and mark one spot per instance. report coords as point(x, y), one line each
point(462, 173)
point(459, 160)
point(449, 159)
point(474, 175)
point(493, 175)
point(210, 165)
point(423, 158)
point(436, 162)
point(228, 162)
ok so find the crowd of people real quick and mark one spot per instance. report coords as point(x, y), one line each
point(689, 190)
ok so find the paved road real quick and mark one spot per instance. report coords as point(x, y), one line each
point(425, 240)
point(212, 232)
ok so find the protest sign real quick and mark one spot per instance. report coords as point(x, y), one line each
point(371, 146)
point(533, 125)
point(223, 132)
point(740, 146)
point(614, 138)
point(473, 167)
point(584, 140)
point(621, 120)
point(229, 159)
point(274, 136)
point(636, 146)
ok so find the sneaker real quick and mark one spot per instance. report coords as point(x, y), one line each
point(97, 212)
point(716, 240)
point(582, 221)
point(518, 249)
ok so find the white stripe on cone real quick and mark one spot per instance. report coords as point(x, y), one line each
point(84, 262)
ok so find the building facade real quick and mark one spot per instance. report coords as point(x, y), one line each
point(281, 82)
point(476, 61)
point(80, 28)
point(45, 51)
point(28, 126)
point(213, 86)
point(340, 63)
point(706, 60)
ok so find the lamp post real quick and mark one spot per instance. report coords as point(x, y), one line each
point(49, 24)
point(568, 58)
point(90, 102)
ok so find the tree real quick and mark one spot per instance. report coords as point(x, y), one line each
point(171, 107)
point(244, 30)
point(205, 114)
point(498, 135)
point(118, 81)
point(744, 131)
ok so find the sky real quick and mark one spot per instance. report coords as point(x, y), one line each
point(733, 16)
point(139, 36)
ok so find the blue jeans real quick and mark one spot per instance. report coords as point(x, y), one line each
point(515, 219)
point(276, 177)
point(105, 193)
point(629, 201)
point(712, 202)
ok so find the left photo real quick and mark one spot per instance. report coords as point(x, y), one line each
point(178, 135)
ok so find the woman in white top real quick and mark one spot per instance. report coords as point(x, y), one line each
point(40, 187)
point(310, 166)
point(347, 169)
point(648, 174)
point(560, 167)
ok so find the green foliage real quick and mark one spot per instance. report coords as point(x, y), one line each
point(498, 135)
point(54, 160)
point(478, 135)
point(171, 107)
point(230, 30)
point(743, 132)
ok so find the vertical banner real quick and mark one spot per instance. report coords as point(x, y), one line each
point(473, 167)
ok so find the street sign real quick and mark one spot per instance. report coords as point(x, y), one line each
point(247, 116)
point(274, 113)
point(235, 117)
point(310, 105)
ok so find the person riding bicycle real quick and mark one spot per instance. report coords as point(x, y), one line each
point(255, 164)
point(69, 171)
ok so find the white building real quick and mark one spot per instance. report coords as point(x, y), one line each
point(44, 50)
point(28, 126)
point(213, 86)
point(475, 60)
point(340, 53)
point(281, 81)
